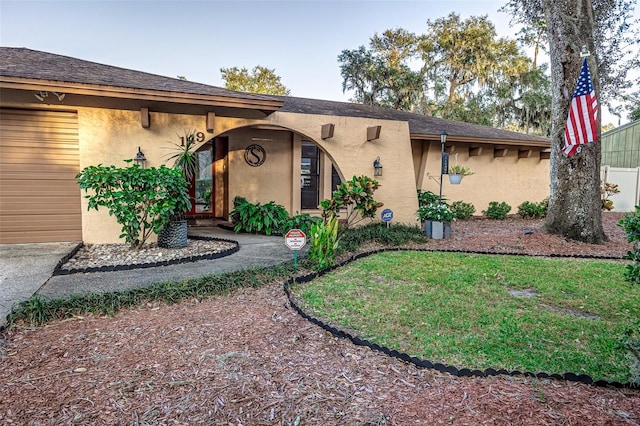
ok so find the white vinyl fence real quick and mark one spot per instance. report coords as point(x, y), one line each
point(628, 181)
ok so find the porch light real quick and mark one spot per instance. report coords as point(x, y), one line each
point(140, 159)
point(377, 167)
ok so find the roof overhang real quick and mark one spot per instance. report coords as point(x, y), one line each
point(538, 142)
point(265, 105)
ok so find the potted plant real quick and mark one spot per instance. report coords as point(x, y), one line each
point(437, 218)
point(185, 159)
point(457, 172)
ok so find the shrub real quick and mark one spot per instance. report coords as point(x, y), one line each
point(427, 197)
point(462, 210)
point(141, 200)
point(497, 210)
point(631, 225)
point(324, 243)
point(394, 235)
point(529, 210)
point(258, 218)
point(356, 196)
point(301, 221)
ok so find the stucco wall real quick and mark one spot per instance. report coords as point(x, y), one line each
point(112, 136)
point(509, 178)
point(353, 155)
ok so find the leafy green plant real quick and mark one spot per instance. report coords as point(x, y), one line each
point(427, 197)
point(184, 155)
point(532, 210)
point(462, 210)
point(258, 218)
point(457, 169)
point(497, 210)
point(435, 212)
point(395, 235)
point(141, 200)
point(356, 197)
point(631, 225)
point(301, 221)
point(324, 243)
point(431, 207)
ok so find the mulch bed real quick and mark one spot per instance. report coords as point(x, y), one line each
point(249, 359)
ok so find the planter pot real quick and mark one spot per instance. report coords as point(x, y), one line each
point(174, 235)
point(437, 230)
point(455, 179)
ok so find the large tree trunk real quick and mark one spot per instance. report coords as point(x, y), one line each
point(574, 207)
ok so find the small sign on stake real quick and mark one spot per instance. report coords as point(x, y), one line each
point(295, 239)
point(387, 216)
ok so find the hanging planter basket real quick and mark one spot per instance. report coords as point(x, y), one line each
point(455, 179)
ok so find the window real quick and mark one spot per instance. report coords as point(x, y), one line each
point(309, 176)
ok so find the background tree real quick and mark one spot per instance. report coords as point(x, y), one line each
point(259, 80)
point(616, 38)
point(381, 75)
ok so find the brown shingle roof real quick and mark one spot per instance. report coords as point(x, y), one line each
point(33, 64)
point(419, 125)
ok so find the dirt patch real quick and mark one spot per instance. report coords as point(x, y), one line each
point(248, 359)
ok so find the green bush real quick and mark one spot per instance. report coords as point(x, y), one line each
point(393, 235)
point(529, 210)
point(301, 221)
point(324, 243)
point(497, 210)
point(356, 197)
point(141, 200)
point(267, 218)
point(426, 198)
point(631, 225)
point(462, 210)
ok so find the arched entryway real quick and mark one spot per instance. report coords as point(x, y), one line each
point(262, 165)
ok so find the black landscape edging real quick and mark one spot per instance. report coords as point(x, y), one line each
point(422, 363)
point(111, 268)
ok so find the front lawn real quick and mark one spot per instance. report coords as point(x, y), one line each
point(481, 311)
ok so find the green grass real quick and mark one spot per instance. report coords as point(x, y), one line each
point(39, 311)
point(458, 309)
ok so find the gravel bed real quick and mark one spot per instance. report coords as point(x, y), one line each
point(101, 255)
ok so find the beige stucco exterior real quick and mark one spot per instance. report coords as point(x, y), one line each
point(112, 124)
point(108, 136)
point(509, 178)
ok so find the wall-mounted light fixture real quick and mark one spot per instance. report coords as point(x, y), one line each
point(140, 159)
point(373, 133)
point(377, 167)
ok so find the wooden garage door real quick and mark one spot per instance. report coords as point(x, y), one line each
point(39, 195)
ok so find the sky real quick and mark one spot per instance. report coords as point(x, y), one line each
point(299, 39)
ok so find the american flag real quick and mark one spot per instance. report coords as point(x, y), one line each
point(582, 123)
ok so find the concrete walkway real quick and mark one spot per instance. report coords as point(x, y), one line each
point(26, 269)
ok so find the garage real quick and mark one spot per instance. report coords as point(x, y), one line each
point(39, 158)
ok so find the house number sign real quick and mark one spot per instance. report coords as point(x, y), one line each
point(255, 155)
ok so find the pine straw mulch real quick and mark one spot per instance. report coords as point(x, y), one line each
point(248, 359)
